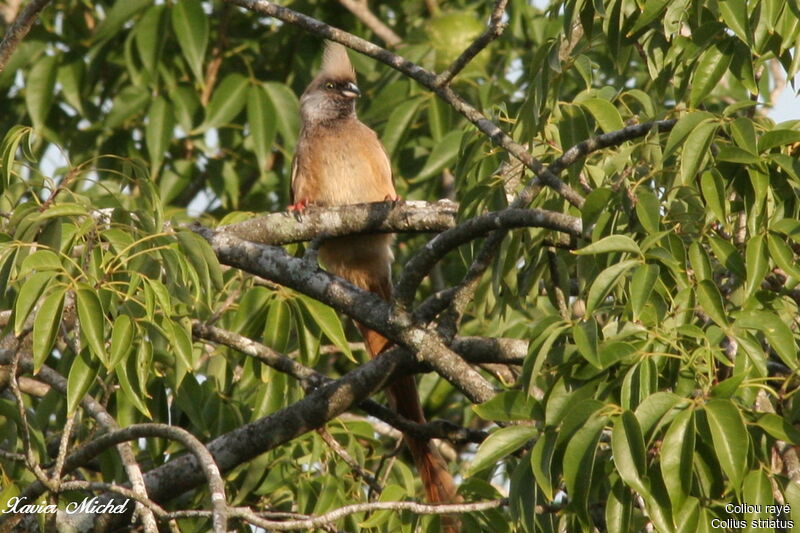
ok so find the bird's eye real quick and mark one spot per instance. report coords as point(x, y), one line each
point(329, 85)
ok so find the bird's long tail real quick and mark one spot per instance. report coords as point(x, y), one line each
point(403, 395)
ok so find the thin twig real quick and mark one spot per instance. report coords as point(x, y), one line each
point(339, 450)
point(337, 514)
point(493, 31)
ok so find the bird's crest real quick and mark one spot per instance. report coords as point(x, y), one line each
point(335, 63)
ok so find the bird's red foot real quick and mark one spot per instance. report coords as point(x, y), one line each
point(299, 206)
point(394, 199)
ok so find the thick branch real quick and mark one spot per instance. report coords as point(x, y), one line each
point(476, 350)
point(275, 264)
point(380, 217)
point(19, 29)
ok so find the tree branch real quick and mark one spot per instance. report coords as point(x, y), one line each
point(103, 418)
point(337, 514)
point(494, 31)
point(612, 138)
point(311, 379)
point(334, 221)
point(420, 265)
point(277, 265)
point(361, 10)
point(19, 29)
point(250, 440)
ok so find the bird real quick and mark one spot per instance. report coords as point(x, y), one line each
point(338, 161)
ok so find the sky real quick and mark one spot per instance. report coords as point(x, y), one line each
point(788, 105)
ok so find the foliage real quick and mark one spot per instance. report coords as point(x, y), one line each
point(663, 348)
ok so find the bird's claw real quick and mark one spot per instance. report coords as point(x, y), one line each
point(298, 208)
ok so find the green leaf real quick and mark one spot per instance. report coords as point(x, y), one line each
point(648, 211)
point(712, 65)
point(779, 428)
point(29, 294)
point(185, 104)
point(777, 333)
point(619, 507)
point(62, 210)
point(158, 133)
point(734, 14)
point(541, 462)
point(261, 121)
point(149, 37)
point(710, 301)
point(585, 335)
point(123, 375)
point(39, 261)
point(774, 138)
point(508, 406)
point(40, 88)
point(757, 261)
point(629, 453)
point(442, 155)
point(713, 191)
point(8, 153)
point(731, 441)
point(498, 445)
point(783, 255)
point(578, 465)
point(227, 101)
point(180, 338)
point(695, 150)
point(46, 325)
point(677, 452)
point(757, 492)
point(71, 76)
point(328, 321)
point(82, 374)
point(190, 23)
point(642, 283)
point(612, 243)
point(129, 101)
point(287, 111)
point(605, 282)
point(604, 112)
point(121, 340)
point(685, 125)
point(278, 326)
point(119, 14)
point(92, 319)
point(397, 125)
point(728, 255)
point(192, 245)
point(701, 265)
point(743, 132)
point(652, 9)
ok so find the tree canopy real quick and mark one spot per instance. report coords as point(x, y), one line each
point(596, 279)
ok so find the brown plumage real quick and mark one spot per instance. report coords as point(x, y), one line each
point(340, 161)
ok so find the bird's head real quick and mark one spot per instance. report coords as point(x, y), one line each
point(332, 94)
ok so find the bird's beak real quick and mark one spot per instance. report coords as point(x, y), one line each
point(351, 90)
